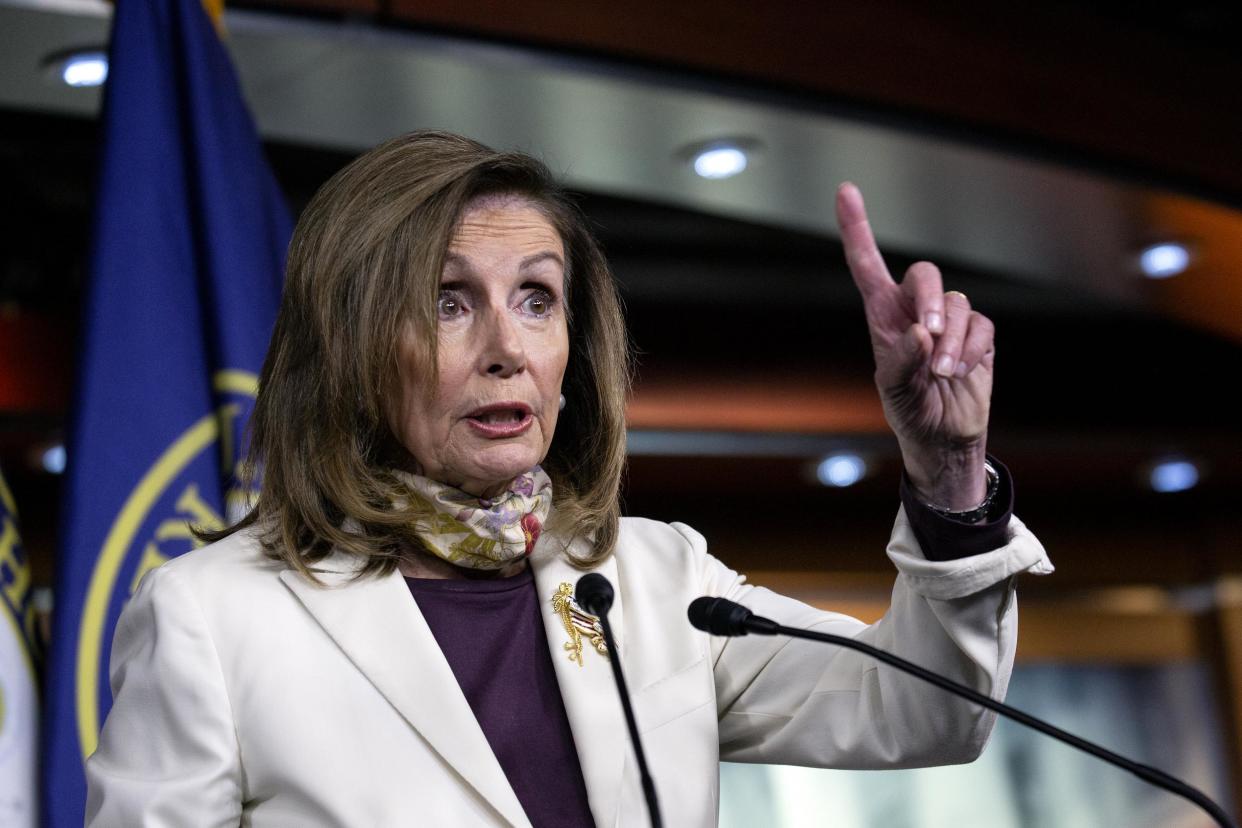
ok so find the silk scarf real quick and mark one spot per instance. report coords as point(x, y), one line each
point(475, 532)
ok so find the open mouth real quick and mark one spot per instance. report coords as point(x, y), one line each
point(500, 416)
point(501, 419)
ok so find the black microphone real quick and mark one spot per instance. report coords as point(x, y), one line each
point(594, 594)
point(720, 616)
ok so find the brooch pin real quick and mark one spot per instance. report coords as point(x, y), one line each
point(578, 623)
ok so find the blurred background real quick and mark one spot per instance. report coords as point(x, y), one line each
point(1072, 167)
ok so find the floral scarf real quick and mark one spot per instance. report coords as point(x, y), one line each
point(475, 532)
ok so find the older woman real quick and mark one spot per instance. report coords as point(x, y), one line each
point(389, 638)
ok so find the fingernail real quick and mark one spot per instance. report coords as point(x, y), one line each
point(944, 365)
point(961, 370)
point(934, 323)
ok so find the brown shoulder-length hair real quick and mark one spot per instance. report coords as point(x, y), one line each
point(365, 260)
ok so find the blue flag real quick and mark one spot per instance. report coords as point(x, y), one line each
point(188, 249)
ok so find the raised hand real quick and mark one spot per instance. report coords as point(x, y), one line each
point(933, 365)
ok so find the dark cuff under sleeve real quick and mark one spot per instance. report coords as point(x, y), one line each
point(945, 539)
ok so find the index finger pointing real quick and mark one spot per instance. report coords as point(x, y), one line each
point(861, 254)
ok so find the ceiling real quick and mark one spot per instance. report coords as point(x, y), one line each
point(620, 130)
point(750, 335)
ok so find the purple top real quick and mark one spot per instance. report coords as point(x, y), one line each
point(492, 634)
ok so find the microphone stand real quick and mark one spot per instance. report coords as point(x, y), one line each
point(1147, 773)
point(649, 793)
point(594, 594)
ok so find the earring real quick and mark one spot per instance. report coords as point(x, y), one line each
point(561, 405)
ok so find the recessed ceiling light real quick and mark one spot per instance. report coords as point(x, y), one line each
point(841, 470)
point(85, 69)
point(1160, 261)
point(54, 459)
point(1174, 476)
point(720, 161)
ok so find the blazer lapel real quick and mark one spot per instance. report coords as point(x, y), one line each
point(378, 625)
point(589, 690)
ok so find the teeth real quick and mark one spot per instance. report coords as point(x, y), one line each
point(511, 415)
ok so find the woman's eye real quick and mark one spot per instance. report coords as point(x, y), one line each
point(448, 305)
point(539, 303)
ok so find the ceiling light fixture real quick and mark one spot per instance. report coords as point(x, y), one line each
point(840, 470)
point(720, 161)
point(719, 157)
point(53, 459)
point(84, 69)
point(1160, 261)
point(1173, 476)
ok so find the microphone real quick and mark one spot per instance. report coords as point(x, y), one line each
point(594, 594)
point(720, 616)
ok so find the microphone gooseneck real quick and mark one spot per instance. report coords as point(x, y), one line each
point(720, 616)
point(594, 594)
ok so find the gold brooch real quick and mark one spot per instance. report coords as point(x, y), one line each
point(578, 623)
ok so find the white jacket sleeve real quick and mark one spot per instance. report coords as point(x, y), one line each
point(168, 752)
point(795, 702)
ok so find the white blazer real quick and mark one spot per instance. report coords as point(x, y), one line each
point(246, 695)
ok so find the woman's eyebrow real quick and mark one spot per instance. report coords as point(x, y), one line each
point(459, 262)
point(539, 258)
point(453, 260)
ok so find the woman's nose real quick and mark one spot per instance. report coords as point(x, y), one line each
point(503, 352)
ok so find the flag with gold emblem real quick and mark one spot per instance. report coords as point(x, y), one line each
point(19, 698)
point(188, 248)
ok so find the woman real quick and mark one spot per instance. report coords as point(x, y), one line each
point(388, 638)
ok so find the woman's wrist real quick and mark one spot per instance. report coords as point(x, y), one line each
point(948, 479)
